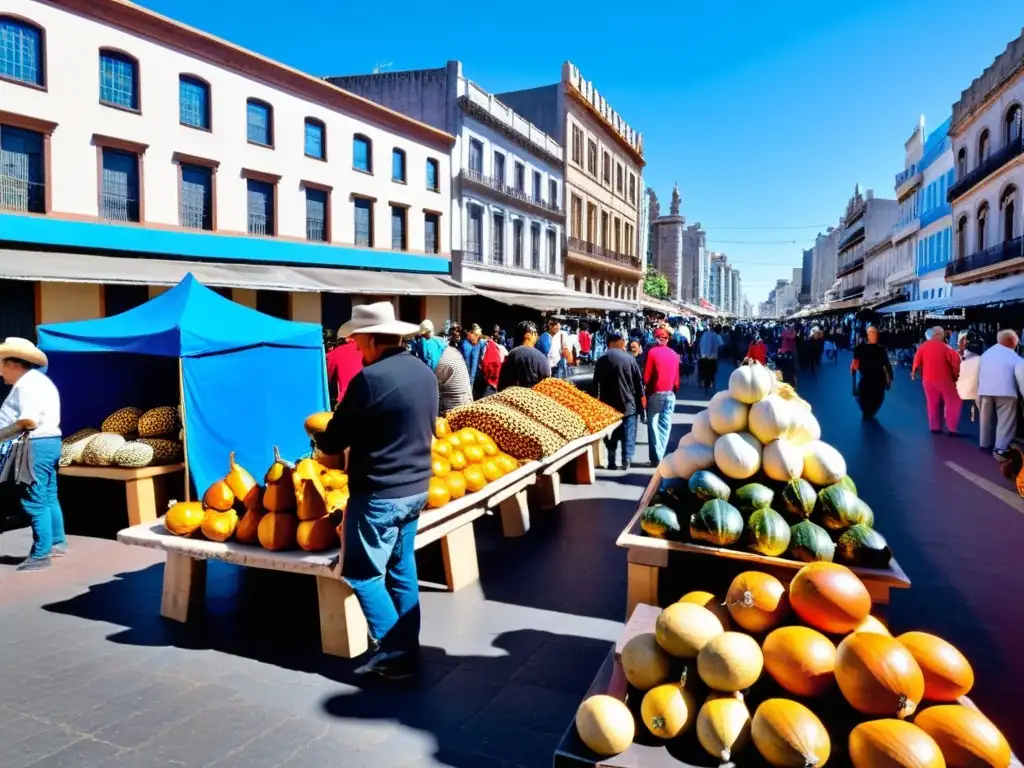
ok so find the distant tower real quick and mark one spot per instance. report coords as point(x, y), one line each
point(676, 201)
point(655, 205)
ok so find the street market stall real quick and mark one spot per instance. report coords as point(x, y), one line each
point(177, 384)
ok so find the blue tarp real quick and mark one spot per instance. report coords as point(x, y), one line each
point(249, 379)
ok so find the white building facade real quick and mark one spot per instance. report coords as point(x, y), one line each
point(934, 239)
point(125, 132)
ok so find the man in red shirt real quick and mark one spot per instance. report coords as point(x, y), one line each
point(758, 351)
point(661, 381)
point(940, 367)
point(343, 363)
point(585, 342)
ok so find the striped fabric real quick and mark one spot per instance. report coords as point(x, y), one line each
point(453, 383)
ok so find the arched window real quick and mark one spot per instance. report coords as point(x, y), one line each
point(983, 142)
point(22, 51)
point(1013, 124)
point(315, 139)
point(961, 238)
point(362, 153)
point(259, 122)
point(398, 165)
point(1008, 205)
point(982, 224)
point(119, 79)
point(961, 163)
point(194, 102)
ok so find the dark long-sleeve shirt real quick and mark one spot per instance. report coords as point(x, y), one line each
point(524, 367)
point(617, 381)
point(386, 420)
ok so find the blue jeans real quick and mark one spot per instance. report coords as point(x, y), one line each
point(560, 369)
point(660, 407)
point(380, 566)
point(39, 500)
point(625, 433)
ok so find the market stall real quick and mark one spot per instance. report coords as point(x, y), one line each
point(213, 376)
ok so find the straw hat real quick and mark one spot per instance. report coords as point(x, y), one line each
point(377, 318)
point(23, 349)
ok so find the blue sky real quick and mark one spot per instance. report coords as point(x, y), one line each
point(765, 117)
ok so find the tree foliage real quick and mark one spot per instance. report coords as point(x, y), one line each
point(655, 284)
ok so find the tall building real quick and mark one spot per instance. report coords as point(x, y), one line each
point(807, 267)
point(908, 223)
point(667, 244)
point(933, 242)
point(867, 223)
point(736, 294)
point(987, 145)
point(717, 285)
point(824, 264)
point(604, 185)
point(696, 264)
point(507, 207)
point(136, 149)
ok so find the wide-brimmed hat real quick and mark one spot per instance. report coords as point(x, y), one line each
point(426, 327)
point(377, 318)
point(23, 349)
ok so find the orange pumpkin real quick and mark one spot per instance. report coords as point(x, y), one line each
point(947, 674)
point(247, 531)
point(337, 500)
point(491, 470)
point(467, 436)
point(317, 535)
point(878, 676)
point(801, 660)
point(965, 736)
point(440, 467)
point(438, 494)
point(317, 422)
point(712, 603)
point(241, 483)
point(219, 526)
point(454, 441)
point(475, 480)
point(829, 597)
point(443, 449)
point(474, 453)
point(458, 460)
point(441, 428)
point(507, 463)
point(757, 601)
point(219, 496)
point(277, 531)
point(184, 517)
point(893, 744)
point(456, 483)
point(490, 449)
point(787, 733)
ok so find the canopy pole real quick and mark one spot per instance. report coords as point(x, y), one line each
point(184, 430)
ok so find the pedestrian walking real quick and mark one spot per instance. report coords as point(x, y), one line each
point(758, 351)
point(661, 380)
point(618, 383)
point(871, 361)
point(970, 367)
point(525, 365)
point(1000, 383)
point(471, 349)
point(709, 345)
point(940, 368)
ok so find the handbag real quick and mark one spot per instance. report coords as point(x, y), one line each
point(16, 468)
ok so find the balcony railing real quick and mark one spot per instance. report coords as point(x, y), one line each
point(851, 238)
point(936, 213)
point(17, 194)
point(853, 266)
point(117, 208)
point(904, 175)
point(606, 254)
point(550, 210)
point(473, 252)
point(988, 166)
point(851, 292)
point(1011, 249)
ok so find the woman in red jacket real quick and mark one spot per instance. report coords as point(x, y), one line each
point(490, 367)
point(758, 351)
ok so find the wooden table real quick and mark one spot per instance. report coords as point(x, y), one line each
point(144, 487)
point(647, 556)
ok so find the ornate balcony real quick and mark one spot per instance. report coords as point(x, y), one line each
point(1011, 250)
point(908, 180)
point(20, 194)
point(515, 196)
point(851, 237)
point(988, 166)
point(604, 254)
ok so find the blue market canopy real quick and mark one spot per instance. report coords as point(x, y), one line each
point(248, 380)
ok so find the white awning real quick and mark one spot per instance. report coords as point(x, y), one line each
point(88, 268)
point(564, 299)
point(1003, 289)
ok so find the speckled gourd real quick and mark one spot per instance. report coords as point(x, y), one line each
point(123, 421)
point(100, 450)
point(159, 421)
point(133, 455)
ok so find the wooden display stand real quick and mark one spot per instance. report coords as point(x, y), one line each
point(647, 556)
point(144, 487)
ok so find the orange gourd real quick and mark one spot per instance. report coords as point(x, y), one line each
point(507, 463)
point(440, 467)
point(801, 660)
point(279, 494)
point(878, 675)
point(757, 601)
point(438, 494)
point(219, 497)
point(490, 449)
point(317, 422)
point(247, 531)
point(184, 517)
point(475, 479)
point(474, 453)
point(491, 470)
point(337, 500)
point(334, 480)
point(712, 603)
point(947, 673)
point(893, 744)
point(829, 597)
point(468, 436)
point(241, 483)
point(443, 449)
point(277, 531)
point(219, 526)
point(441, 428)
point(318, 535)
point(310, 496)
point(871, 624)
point(789, 735)
point(965, 736)
point(457, 461)
point(456, 483)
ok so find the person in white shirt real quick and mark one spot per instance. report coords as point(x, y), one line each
point(33, 404)
point(558, 350)
point(1000, 377)
point(967, 381)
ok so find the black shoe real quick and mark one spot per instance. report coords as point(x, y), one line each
point(34, 564)
point(626, 465)
point(611, 467)
point(59, 550)
point(998, 455)
point(391, 665)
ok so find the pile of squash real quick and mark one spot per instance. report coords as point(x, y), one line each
point(798, 675)
point(299, 505)
point(463, 461)
point(754, 473)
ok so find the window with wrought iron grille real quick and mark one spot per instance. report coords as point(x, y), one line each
point(259, 125)
point(398, 165)
point(475, 233)
point(316, 215)
point(618, 179)
point(119, 195)
point(553, 193)
point(476, 157)
point(21, 51)
point(535, 247)
point(260, 200)
point(499, 169)
point(632, 188)
point(362, 153)
point(606, 168)
point(193, 102)
point(119, 80)
point(517, 243)
point(195, 209)
point(577, 145)
point(363, 210)
point(537, 186)
point(431, 230)
point(22, 170)
point(520, 178)
point(552, 252)
point(592, 157)
point(399, 240)
point(314, 139)
point(433, 176)
point(498, 238)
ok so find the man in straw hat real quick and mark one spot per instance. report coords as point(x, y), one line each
point(386, 421)
point(33, 404)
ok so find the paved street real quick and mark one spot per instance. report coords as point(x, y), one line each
point(91, 676)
